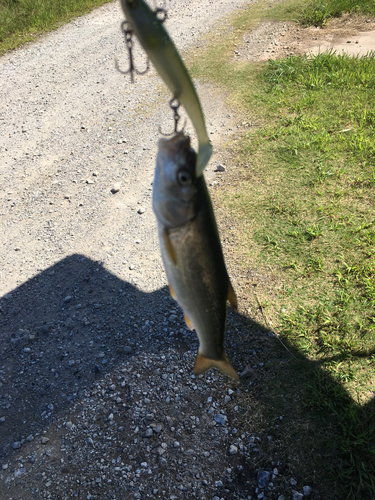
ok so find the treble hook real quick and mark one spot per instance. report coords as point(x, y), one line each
point(174, 104)
point(128, 33)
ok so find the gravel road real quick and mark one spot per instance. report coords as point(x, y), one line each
point(97, 396)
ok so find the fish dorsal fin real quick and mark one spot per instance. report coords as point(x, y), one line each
point(171, 291)
point(231, 296)
point(169, 246)
point(203, 364)
point(189, 324)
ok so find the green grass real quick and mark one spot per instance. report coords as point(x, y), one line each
point(318, 12)
point(317, 226)
point(304, 204)
point(22, 20)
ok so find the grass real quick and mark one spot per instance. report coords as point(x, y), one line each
point(22, 20)
point(304, 207)
point(318, 12)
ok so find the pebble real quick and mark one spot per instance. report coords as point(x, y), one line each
point(148, 433)
point(30, 438)
point(4, 466)
point(141, 210)
point(233, 450)
point(263, 478)
point(44, 440)
point(218, 484)
point(90, 442)
point(116, 188)
point(19, 472)
point(220, 168)
point(296, 495)
point(292, 481)
point(220, 419)
point(2, 419)
point(16, 445)
point(247, 372)
point(307, 490)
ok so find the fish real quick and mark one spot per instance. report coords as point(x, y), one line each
point(191, 250)
point(162, 52)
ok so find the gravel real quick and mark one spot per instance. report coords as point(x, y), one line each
point(97, 396)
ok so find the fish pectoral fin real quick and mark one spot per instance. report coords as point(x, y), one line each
point(169, 246)
point(203, 364)
point(189, 324)
point(171, 291)
point(231, 296)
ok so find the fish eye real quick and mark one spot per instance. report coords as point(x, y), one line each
point(184, 178)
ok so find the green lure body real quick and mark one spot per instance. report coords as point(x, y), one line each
point(163, 54)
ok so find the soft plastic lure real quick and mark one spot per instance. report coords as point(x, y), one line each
point(155, 40)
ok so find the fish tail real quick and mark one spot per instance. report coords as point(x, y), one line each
point(203, 364)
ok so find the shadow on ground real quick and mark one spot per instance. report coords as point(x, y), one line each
point(75, 322)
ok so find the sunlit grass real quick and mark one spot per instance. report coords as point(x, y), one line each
point(22, 20)
point(318, 12)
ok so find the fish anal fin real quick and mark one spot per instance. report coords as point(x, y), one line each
point(232, 299)
point(189, 324)
point(203, 364)
point(171, 291)
point(169, 246)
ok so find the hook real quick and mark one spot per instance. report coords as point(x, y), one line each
point(174, 105)
point(128, 33)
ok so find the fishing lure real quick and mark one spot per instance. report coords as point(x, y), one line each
point(147, 25)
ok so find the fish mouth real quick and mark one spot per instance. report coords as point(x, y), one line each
point(179, 142)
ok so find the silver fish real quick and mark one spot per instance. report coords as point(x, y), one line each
point(159, 47)
point(191, 250)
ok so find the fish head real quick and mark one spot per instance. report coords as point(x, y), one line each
point(174, 196)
